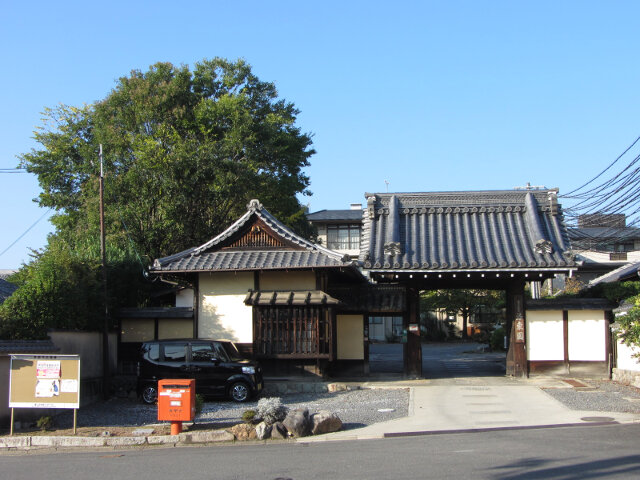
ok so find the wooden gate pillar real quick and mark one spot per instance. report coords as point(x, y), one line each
point(413, 345)
point(517, 353)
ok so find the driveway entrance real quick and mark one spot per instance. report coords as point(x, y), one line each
point(440, 360)
point(455, 360)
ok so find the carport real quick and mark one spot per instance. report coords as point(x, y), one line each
point(494, 240)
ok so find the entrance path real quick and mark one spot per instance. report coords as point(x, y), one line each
point(477, 404)
point(464, 359)
point(465, 389)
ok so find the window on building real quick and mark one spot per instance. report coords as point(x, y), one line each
point(343, 237)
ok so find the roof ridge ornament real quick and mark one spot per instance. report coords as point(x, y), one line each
point(254, 205)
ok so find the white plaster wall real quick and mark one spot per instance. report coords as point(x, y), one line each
point(626, 358)
point(350, 337)
point(89, 346)
point(587, 340)
point(545, 337)
point(291, 280)
point(222, 312)
point(184, 298)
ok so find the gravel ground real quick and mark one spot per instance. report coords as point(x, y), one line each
point(601, 396)
point(356, 408)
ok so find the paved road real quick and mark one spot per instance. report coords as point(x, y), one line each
point(576, 453)
point(439, 360)
point(456, 360)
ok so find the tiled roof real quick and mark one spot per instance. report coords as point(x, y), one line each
point(489, 230)
point(603, 233)
point(212, 257)
point(6, 289)
point(155, 312)
point(336, 216)
point(569, 304)
point(27, 346)
point(294, 297)
point(629, 271)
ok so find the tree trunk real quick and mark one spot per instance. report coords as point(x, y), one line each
point(465, 316)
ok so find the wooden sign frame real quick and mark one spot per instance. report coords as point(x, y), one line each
point(44, 381)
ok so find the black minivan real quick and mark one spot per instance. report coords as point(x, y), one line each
point(216, 365)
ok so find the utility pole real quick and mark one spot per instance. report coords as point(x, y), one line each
point(105, 328)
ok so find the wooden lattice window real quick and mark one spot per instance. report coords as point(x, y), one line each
point(292, 332)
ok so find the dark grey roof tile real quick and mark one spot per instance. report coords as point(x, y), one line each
point(335, 216)
point(210, 256)
point(464, 230)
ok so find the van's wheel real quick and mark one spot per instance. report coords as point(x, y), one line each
point(239, 392)
point(150, 394)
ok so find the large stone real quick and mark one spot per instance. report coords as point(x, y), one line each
point(298, 422)
point(325, 422)
point(242, 431)
point(263, 431)
point(279, 431)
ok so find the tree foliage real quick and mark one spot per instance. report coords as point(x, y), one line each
point(629, 324)
point(185, 150)
point(614, 292)
point(62, 288)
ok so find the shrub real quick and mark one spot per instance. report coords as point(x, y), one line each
point(45, 423)
point(248, 416)
point(199, 403)
point(271, 410)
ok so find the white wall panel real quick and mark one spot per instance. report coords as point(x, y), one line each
point(545, 338)
point(222, 312)
point(587, 340)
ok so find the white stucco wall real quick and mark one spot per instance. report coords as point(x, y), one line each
point(221, 309)
point(291, 280)
point(350, 337)
point(545, 337)
point(184, 298)
point(626, 357)
point(587, 340)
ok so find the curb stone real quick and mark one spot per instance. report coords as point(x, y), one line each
point(7, 443)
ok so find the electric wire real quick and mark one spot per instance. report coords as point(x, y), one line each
point(607, 212)
point(26, 231)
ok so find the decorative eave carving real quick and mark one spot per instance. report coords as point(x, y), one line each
point(544, 246)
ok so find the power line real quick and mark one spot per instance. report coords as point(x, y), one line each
point(26, 231)
point(603, 171)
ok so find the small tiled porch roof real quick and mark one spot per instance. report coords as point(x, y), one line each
point(509, 230)
point(285, 298)
point(293, 252)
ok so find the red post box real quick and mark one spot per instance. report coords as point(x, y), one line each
point(176, 402)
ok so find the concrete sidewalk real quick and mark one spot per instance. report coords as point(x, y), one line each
point(476, 404)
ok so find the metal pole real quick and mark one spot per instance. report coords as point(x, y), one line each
point(11, 432)
point(75, 420)
point(105, 330)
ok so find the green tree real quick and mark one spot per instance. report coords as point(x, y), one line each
point(185, 150)
point(629, 324)
point(62, 288)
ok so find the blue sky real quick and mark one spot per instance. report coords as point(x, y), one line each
point(429, 96)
